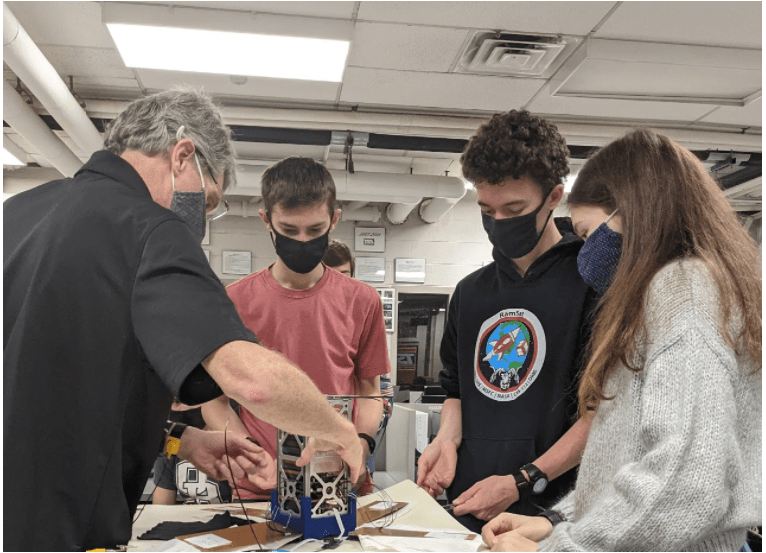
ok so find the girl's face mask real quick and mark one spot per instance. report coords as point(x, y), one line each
point(599, 256)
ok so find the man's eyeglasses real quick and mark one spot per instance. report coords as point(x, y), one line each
point(222, 208)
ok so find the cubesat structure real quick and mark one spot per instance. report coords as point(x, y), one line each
point(315, 500)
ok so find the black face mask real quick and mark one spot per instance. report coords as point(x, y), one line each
point(301, 257)
point(517, 236)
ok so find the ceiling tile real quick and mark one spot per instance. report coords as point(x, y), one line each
point(707, 23)
point(64, 23)
point(572, 18)
point(255, 87)
point(405, 47)
point(750, 115)
point(335, 10)
point(86, 62)
point(545, 104)
point(436, 90)
point(620, 77)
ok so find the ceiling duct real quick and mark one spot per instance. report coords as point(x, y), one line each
point(515, 55)
point(444, 126)
point(26, 60)
point(23, 119)
point(396, 214)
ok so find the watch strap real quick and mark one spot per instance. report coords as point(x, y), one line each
point(175, 430)
point(534, 473)
point(524, 487)
point(554, 517)
point(370, 441)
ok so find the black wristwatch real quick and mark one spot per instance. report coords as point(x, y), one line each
point(370, 441)
point(536, 484)
point(554, 517)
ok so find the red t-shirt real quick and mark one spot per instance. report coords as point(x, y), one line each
point(334, 332)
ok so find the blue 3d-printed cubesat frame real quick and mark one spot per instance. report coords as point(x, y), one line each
point(315, 500)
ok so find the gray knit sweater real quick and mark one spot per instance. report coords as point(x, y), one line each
point(673, 463)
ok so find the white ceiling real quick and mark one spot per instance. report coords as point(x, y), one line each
point(402, 59)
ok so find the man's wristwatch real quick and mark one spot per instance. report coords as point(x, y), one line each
point(536, 484)
point(173, 438)
point(370, 441)
point(554, 517)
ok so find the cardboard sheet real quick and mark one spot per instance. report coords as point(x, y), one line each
point(239, 537)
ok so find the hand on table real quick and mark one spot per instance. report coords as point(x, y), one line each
point(487, 498)
point(513, 541)
point(512, 531)
point(436, 467)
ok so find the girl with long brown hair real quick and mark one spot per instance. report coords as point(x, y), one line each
point(673, 380)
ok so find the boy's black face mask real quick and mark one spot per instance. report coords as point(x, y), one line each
point(300, 257)
point(517, 236)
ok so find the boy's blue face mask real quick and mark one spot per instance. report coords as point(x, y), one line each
point(599, 256)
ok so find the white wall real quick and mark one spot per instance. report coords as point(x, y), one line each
point(453, 247)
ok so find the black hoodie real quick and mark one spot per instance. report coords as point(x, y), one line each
point(511, 353)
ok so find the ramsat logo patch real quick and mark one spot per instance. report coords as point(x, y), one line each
point(510, 350)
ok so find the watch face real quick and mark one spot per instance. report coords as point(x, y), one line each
point(539, 486)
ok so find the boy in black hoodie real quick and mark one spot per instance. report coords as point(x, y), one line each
point(514, 338)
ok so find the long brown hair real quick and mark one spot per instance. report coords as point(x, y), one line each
point(670, 209)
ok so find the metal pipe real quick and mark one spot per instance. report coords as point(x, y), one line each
point(396, 214)
point(579, 133)
point(23, 119)
point(26, 60)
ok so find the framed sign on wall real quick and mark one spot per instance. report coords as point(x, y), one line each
point(369, 239)
point(370, 269)
point(236, 263)
point(410, 270)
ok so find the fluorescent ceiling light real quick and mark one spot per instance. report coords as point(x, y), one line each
point(11, 160)
point(228, 53)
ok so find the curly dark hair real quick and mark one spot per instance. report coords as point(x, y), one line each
point(513, 145)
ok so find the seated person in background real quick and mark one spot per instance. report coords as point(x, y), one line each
point(173, 476)
point(329, 325)
point(673, 460)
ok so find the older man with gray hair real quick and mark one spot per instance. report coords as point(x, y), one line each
point(110, 310)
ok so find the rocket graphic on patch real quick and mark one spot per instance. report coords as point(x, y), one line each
point(501, 346)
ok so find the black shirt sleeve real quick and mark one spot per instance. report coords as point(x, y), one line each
point(181, 312)
point(448, 376)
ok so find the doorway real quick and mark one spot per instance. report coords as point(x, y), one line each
point(422, 319)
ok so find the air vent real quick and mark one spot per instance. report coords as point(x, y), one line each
point(511, 54)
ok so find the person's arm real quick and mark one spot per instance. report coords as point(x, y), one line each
point(161, 496)
point(277, 392)
point(370, 410)
point(689, 453)
point(219, 413)
point(489, 497)
point(437, 464)
point(566, 453)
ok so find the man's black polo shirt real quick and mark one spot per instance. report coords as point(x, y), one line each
point(110, 306)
